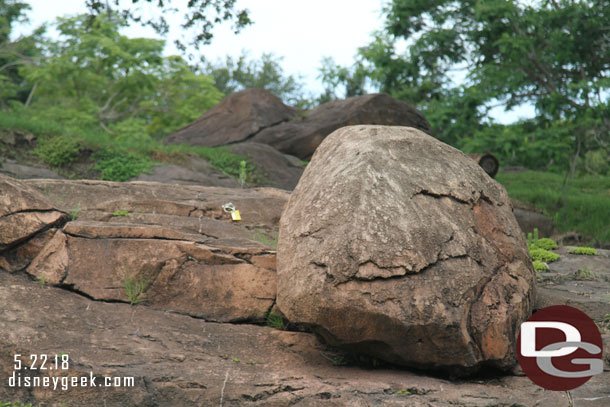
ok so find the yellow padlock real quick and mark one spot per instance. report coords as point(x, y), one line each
point(235, 215)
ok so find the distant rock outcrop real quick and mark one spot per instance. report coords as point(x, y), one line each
point(300, 137)
point(236, 118)
point(271, 167)
point(259, 116)
point(398, 246)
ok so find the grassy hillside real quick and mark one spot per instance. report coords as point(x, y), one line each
point(97, 154)
point(583, 208)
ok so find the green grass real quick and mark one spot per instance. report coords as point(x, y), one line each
point(265, 236)
point(276, 321)
point(135, 288)
point(121, 212)
point(587, 209)
point(221, 159)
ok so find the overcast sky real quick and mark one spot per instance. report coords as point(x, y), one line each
point(302, 32)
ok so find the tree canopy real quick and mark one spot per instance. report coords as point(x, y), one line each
point(200, 18)
point(94, 76)
point(552, 54)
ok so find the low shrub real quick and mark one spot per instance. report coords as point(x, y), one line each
point(58, 151)
point(540, 266)
point(584, 250)
point(543, 255)
point(121, 165)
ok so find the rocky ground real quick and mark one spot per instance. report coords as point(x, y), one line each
point(199, 339)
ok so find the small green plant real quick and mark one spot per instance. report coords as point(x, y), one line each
point(543, 255)
point(135, 288)
point(540, 266)
point(120, 213)
point(58, 151)
point(584, 250)
point(243, 174)
point(14, 404)
point(121, 166)
point(535, 242)
point(266, 237)
point(276, 321)
point(605, 322)
point(235, 360)
point(584, 274)
point(41, 280)
point(75, 212)
point(404, 392)
point(539, 250)
point(546, 244)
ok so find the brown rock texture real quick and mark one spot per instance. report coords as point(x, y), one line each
point(272, 167)
point(234, 119)
point(169, 247)
point(398, 246)
point(177, 360)
point(300, 137)
point(24, 212)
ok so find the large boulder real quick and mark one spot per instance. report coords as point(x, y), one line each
point(300, 137)
point(398, 246)
point(234, 119)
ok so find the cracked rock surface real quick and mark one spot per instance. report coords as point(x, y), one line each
point(170, 247)
point(398, 246)
point(177, 360)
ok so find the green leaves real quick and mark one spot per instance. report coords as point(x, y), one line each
point(233, 75)
point(94, 78)
point(200, 18)
point(455, 60)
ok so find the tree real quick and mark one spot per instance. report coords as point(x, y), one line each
point(14, 53)
point(233, 75)
point(201, 16)
point(554, 54)
point(334, 76)
point(94, 76)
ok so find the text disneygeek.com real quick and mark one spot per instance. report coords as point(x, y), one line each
point(29, 371)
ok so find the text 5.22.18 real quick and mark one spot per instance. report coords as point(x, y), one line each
point(41, 362)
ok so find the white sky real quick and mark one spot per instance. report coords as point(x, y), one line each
point(302, 32)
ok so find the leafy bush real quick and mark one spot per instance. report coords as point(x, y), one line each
point(58, 151)
point(584, 250)
point(121, 165)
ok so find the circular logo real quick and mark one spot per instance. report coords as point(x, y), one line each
point(560, 348)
